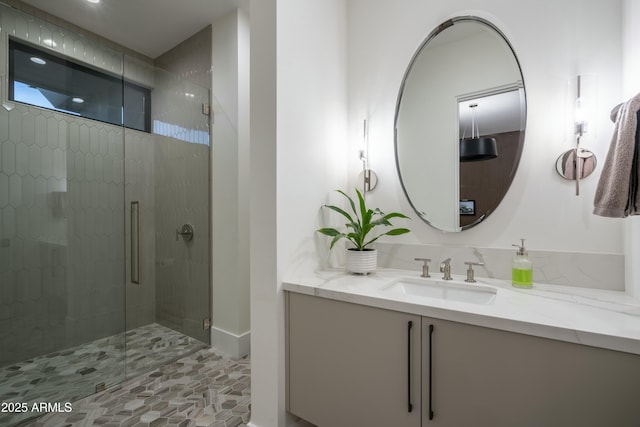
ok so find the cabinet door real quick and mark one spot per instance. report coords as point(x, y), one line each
point(485, 377)
point(351, 365)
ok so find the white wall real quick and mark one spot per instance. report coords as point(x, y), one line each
point(577, 37)
point(266, 386)
point(309, 109)
point(230, 188)
point(244, 137)
point(631, 86)
point(301, 51)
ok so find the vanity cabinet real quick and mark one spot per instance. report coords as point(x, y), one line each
point(352, 365)
point(355, 365)
point(476, 376)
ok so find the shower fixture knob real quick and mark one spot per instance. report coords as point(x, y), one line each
point(186, 231)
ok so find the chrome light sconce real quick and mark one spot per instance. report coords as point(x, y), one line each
point(367, 178)
point(578, 163)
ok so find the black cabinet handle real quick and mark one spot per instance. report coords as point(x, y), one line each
point(430, 372)
point(409, 327)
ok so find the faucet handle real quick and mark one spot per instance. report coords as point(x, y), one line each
point(470, 273)
point(425, 266)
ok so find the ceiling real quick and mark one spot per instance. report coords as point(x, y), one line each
point(497, 113)
point(150, 27)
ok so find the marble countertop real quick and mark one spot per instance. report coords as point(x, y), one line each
point(595, 317)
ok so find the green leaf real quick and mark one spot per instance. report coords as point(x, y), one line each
point(394, 232)
point(363, 221)
point(372, 240)
point(329, 231)
point(397, 231)
point(340, 211)
point(335, 240)
point(363, 208)
point(380, 221)
point(353, 206)
point(395, 215)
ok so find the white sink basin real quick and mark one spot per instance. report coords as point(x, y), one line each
point(452, 290)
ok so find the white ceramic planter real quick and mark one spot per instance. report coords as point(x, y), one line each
point(361, 262)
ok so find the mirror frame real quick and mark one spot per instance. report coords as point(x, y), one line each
point(439, 29)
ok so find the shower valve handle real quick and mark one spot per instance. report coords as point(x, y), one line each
point(186, 231)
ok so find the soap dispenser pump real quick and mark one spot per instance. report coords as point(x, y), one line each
point(521, 268)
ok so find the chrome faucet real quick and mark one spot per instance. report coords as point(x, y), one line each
point(445, 267)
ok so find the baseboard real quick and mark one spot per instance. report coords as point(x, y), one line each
point(290, 421)
point(232, 345)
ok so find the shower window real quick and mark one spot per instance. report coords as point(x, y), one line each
point(40, 78)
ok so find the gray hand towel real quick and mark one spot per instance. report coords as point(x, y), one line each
point(617, 191)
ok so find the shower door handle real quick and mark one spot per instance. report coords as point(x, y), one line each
point(186, 231)
point(135, 242)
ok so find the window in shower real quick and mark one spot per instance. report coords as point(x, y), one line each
point(38, 77)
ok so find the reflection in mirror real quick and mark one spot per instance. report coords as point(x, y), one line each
point(475, 148)
point(576, 163)
point(465, 61)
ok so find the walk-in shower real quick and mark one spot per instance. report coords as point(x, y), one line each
point(104, 210)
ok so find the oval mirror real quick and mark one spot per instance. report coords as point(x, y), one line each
point(460, 124)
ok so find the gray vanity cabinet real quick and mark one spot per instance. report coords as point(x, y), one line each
point(485, 377)
point(351, 365)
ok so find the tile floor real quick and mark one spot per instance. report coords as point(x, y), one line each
point(202, 389)
point(69, 375)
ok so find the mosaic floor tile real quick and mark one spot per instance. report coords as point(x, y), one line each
point(202, 389)
point(69, 375)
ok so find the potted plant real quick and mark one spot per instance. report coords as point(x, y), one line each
point(360, 258)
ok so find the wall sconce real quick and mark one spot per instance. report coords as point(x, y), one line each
point(367, 179)
point(477, 148)
point(577, 163)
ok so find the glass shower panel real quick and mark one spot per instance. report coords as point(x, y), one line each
point(168, 237)
point(61, 237)
point(183, 159)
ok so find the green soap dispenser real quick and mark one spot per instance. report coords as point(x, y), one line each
point(521, 268)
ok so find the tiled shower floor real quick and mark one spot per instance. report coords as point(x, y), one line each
point(202, 389)
point(71, 374)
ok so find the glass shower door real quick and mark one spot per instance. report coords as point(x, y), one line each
point(61, 242)
point(183, 207)
point(104, 230)
point(168, 231)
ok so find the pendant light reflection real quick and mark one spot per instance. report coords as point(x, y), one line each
point(477, 148)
